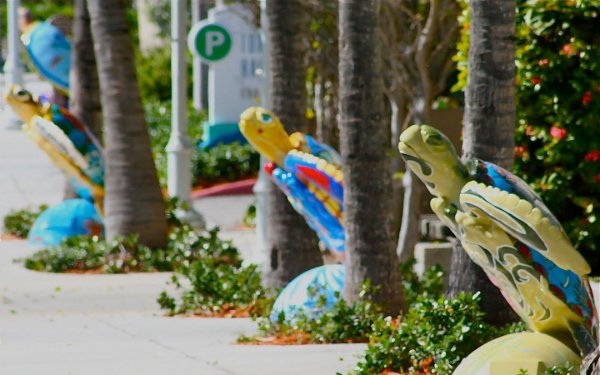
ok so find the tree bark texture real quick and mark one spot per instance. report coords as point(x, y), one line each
point(84, 100)
point(134, 203)
point(293, 245)
point(489, 127)
point(364, 143)
point(489, 132)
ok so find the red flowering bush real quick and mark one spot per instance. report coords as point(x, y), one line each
point(558, 110)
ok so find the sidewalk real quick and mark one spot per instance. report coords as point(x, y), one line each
point(99, 324)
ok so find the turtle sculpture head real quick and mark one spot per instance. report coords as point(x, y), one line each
point(432, 157)
point(265, 132)
point(23, 103)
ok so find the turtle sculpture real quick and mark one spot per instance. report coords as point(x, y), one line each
point(308, 172)
point(49, 51)
point(507, 230)
point(68, 142)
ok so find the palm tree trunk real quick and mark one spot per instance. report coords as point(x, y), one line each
point(84, 100)
point(133, 203)
point(364, 142)
point(292, 244)
point(489, 126)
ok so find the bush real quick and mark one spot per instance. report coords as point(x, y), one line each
point(558, 102)
point(558, 91)
point(126, 254)
point(218, 287)
point(19, 222)
point(433, 336)
point(340, 323)
point(343, 322)
point(225, 162)
point(74, 254)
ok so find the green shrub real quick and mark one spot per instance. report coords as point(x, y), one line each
point(225, 162)
point(558, 92)
point(566, 369)
point(558, 103)
point(434, 335)
point(126, 254)
point(218, 287)
point(19, 222)
point(154, 74)
point(340, 323)
point(343, 322)
point(75, 253)
point(250, 216)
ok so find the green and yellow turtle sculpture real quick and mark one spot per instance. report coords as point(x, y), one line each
point(508, 231)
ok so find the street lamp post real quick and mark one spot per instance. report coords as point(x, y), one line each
point(179, 148)
point(13, 74)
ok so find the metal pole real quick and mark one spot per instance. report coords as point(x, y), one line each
point(179, 148)
point(263, 185)
point(13, 73)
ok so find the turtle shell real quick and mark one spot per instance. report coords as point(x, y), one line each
point(496, 176)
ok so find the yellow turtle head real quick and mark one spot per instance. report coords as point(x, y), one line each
point(265, 132)
point(432, 157)
point(23, 103)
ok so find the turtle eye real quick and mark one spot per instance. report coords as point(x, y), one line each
point(265, 118)
point(434, 139)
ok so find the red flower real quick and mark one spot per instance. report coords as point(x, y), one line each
point(591, 156)
point(544, 62)
point(536, 80)
point(529, 131)
point(558, 133)
point(597, 88)
point(520, 150)
point(568, 49)
point(596, 178)
point(586, 98)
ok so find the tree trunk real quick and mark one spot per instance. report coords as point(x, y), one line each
point(134, 203)
point(84, 101)
point(489, 126)
point(364, 143)
point(293, 245)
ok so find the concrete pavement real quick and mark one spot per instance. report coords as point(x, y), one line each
point(99, 324)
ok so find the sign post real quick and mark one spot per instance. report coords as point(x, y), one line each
point(229, 42)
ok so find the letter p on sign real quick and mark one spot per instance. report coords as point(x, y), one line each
point(209, 41)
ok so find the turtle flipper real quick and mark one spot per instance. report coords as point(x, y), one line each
point(322, 215)
point(316, 171)
point(524, 222)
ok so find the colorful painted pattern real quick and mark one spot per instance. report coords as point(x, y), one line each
point(508, 231)
point(307, 171)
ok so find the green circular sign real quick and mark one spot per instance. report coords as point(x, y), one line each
point(212, 42)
